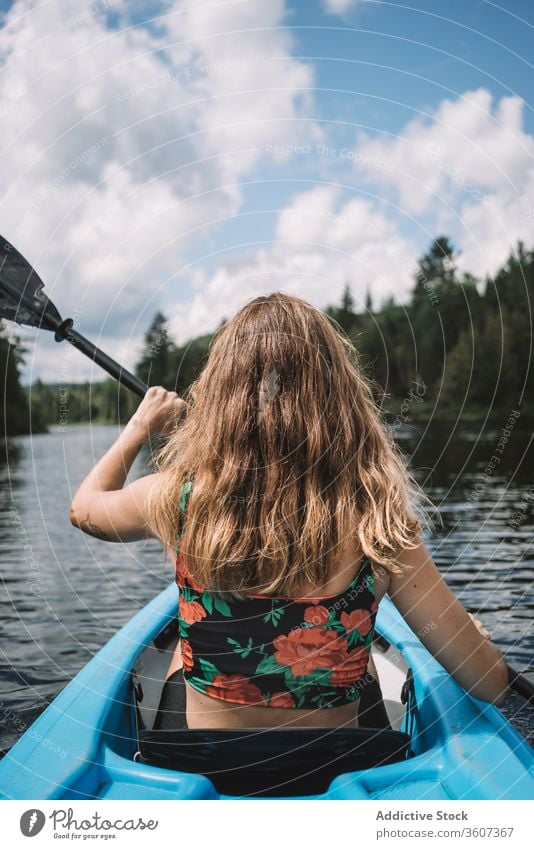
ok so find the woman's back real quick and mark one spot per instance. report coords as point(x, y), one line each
point(304, 657)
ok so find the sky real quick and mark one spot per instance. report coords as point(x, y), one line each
point(188, 156)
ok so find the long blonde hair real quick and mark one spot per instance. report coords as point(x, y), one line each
point(294, 459)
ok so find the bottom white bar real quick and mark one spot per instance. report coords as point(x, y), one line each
point(262, 824)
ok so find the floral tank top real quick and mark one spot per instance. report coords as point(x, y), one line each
point(276, 651)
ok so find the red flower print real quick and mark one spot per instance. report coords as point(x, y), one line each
point(351, 668)
point(183, 576)
point(358, 620)
point(374, 607)
point(308, 649)
point(187, 655)
point(317, 615)
point(191, 611)
point(235, 688)
point(282, 700)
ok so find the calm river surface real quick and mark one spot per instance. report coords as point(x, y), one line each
point(64, 594)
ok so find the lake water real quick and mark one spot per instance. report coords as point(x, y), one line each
point(64, 594)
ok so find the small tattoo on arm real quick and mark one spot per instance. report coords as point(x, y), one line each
point(94, 530)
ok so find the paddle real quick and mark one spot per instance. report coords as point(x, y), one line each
point(516, 680)
point(23, 300)
point(521, 685)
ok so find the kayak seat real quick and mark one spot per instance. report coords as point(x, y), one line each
point(272, 762)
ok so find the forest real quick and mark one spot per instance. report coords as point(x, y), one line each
point(460, 347)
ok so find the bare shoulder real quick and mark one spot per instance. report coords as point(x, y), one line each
point(413, 566)
point(382, 579)
point(417, 587)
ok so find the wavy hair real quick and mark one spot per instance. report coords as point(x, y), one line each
point(293, 458)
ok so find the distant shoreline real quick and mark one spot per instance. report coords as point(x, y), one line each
point(421, 413)
point(426, 411)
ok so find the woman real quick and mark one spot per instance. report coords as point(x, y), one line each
point(301, 516)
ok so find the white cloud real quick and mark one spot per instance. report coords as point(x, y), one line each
point(117, 144)
point(321, 243)
point(341, 7)
point(465, 171)
point(467, 166)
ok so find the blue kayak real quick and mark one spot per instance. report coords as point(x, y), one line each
point(83, 746)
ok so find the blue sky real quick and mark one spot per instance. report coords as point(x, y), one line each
point(225, 149)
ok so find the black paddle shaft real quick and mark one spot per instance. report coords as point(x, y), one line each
point(66, 331)
point(521, 685)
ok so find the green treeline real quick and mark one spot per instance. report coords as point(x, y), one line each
point(459, 345)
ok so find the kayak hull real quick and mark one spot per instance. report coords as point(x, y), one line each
point(82, 745)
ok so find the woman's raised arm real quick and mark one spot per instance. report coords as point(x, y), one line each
point(445, 627)
point(102, 506)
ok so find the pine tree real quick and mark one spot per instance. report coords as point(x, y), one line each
point(344, 315)
point(155, 365)
point(347, 301)
point(14, 411)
